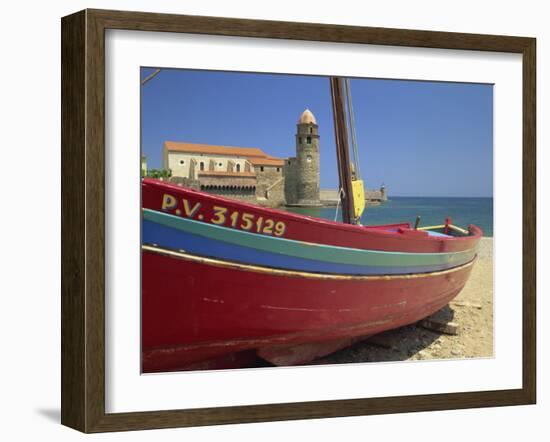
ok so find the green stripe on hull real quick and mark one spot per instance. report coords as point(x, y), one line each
point(299, 249)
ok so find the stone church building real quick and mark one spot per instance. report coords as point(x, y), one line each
point(248, 173)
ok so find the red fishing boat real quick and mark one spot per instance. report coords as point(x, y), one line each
point(224, 281)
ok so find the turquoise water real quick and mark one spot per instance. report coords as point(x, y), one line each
point(462, 211)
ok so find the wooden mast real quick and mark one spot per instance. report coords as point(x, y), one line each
point(342, 149)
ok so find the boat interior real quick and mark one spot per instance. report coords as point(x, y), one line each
point(446, 230)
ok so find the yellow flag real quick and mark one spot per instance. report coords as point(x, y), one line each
point(358, 197)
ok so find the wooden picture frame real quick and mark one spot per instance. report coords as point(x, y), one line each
point(83, 220)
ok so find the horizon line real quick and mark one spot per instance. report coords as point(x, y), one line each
point(442, 196)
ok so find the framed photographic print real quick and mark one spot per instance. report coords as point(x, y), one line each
point(267, 220)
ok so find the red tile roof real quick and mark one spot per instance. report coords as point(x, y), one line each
point(215, 150)
point(268, 161)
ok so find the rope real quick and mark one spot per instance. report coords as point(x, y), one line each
point(340, 194)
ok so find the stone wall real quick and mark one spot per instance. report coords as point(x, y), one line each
point(270, 187)
point(375, 195)
point(291, 195)
point(185, 182)
point(265, 177)
point(243, 194)
point(275, 194)
point(242, 187)
point(211, 179)
point(329, 197)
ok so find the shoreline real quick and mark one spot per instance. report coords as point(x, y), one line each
point(471, 310)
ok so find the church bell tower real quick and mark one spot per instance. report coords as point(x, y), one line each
point(307, 160)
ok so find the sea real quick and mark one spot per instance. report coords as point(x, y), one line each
point(432, 211)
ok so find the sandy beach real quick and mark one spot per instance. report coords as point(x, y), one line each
point(471, 311)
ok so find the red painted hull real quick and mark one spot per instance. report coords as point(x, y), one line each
point(298, 227)
point(195, 309)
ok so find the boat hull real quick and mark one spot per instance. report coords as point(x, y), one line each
point(195, 308)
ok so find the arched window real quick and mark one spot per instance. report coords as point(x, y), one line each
point(311, 130)
point(238, 167)
point(308, 141)
point(201, 165)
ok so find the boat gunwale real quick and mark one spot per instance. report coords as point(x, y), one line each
point(184, 256)
point(301, 249)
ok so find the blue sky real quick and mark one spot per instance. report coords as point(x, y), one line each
point(419, 138)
